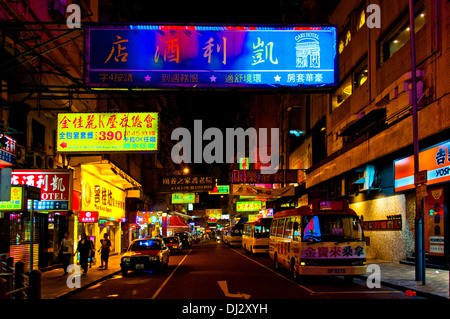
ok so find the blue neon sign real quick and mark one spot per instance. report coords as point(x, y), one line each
point(148, 56)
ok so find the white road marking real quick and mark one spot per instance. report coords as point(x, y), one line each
point(168, 278)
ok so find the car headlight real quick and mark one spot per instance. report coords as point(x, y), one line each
point(126, 259)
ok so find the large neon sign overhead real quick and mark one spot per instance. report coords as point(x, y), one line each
point(149, 56)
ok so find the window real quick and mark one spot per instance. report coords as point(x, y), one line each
point(296, 229)
point(345, 37)
point(280, 227)
point(355, 79)
point(360, 76)
point(361, 19)
point(273, 228)
point(288, 228)
point(398, 35)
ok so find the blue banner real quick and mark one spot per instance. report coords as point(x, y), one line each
point(148, 56)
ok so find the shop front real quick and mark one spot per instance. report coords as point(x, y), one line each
point(50, 216)
point(103, 193)
point(435, 163)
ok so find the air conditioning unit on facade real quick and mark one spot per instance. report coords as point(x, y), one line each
point(21, 155)
point(35, 160)
point(366, 177)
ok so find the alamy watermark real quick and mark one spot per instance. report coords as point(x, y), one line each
point(374, 278)
point(372, 21)
point(74, 278)
point(213, 152)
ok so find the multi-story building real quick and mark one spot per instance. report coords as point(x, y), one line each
point(41, 71)
point(368, 127)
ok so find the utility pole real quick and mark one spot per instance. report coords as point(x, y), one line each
point(419, 220)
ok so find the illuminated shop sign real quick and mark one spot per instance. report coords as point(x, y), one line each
point(435, 160)
point(191, 183)
point(17, 200)
point(149, 56)
point(221, 189)
point(183, 198)
point(107, 132)
point(102, 196)
point(88, 217)
point(8, 151)
point(248, 206)
point(55, 185)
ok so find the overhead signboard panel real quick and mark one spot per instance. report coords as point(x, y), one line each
point(167, 56)
point(107, 132)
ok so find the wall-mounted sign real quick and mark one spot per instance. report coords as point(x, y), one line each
point(244, 163)
point(8, 151)
point(88, 217)
point(214, 213)
point(184, 183)
point(254, 176)
point(55, 185)
point(248, 206)
point(17, 202)
point(183, 198)
point(210, 56)
point(435, 160)
point(388, 224)
point(107, 132)
point(102, 196)
point(221, 190)
point(250, 190)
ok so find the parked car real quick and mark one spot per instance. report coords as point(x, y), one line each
point(185, 239)
point(145, 254)
point(174, 244)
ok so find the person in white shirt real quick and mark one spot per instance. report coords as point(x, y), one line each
point(66, 249)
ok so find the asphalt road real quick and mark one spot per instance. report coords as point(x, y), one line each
point(212, 270)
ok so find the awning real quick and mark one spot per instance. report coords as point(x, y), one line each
point(177, 222)
point(106, 168)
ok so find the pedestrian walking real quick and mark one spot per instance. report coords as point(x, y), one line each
point(84, 247)
point(66, 250)
point(91, 252)
point(104, 250)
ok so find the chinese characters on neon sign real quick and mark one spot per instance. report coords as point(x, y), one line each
point(211, 56)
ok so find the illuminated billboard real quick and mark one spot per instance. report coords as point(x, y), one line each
point(107, 132)
point(435, 160)
point(248, 206)
point(148, 56)
point(183, 198)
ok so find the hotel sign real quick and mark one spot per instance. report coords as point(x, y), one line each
point(55, 185)
point(199, 56)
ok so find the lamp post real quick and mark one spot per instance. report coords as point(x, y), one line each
point(419, 220)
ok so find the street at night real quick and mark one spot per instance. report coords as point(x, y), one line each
point(225, 159)
point(211, 270)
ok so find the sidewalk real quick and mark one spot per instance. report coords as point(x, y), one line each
point(54, 284)
point(402, 277)
point(393, 274)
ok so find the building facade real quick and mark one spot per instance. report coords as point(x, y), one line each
point(368, 126)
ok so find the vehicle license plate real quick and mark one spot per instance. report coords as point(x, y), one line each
point(336, 271)
point(139, 266)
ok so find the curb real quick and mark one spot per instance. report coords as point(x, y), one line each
point(404, 289)
point(73, 291)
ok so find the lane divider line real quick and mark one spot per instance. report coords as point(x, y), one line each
point(291, 281)
point(168, 278)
